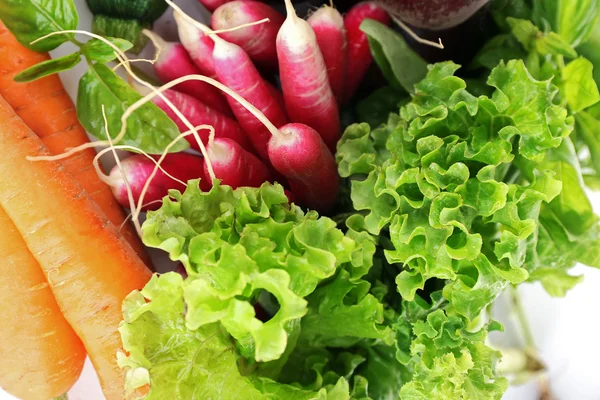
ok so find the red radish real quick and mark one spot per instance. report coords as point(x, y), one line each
point(258, 40)
point(359, 53)
point(236, 71)
point(276, 93)
point(198, 45)
point(212, 5)
point(137, 169)
point(234, 166)
point(174, 62)
point(199, 113)
point(306, 90)
point(299, 154)
point(328, 24)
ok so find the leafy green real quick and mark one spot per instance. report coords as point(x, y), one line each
point(48, 67)
point(29, 20)
point(126, 29)
point(98, 50)
point(376, 108)
point(400, 64)
point(533, 39)
point(148, 127)
point(571, 19)
point(580, 89)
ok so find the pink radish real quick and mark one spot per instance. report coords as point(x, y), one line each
point(174, 62)
point(328, 25)
point(138, 168)
point(198, 45)
point(236, 71)
point(306, 90)
point(258, 40)
point(359, 53)
point(276, 93)
point(234, 166)
point(212, 5)
point(299, 154)
point(199, 113)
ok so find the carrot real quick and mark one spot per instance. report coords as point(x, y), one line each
point(47, 109)
point(328, 25)
point(258, 40)
point(359, 52)
point(89, 266)
point(236, 70)
point(42, 356)
point(306, 90)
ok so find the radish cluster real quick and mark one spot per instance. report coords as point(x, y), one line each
point(261, 133)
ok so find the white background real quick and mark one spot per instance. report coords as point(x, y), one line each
point(567, 331)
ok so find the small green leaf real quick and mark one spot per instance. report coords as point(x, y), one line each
point(48, 67)
point(29, 20)
point(573, 20)
point(401, 66)
point(99, 51)
point(580, 89)
point(533, 39)
point(148, 128)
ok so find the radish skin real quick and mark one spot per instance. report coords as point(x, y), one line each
point(306, 90)
point(236, 167)
point(174, 62)
point(236, 71)
point(359, 53)
point(259, 40)
point(328, 25)
point(137, 169)
point(212, 5)
point(198, 45)
point(302, 157)
point(199, 113)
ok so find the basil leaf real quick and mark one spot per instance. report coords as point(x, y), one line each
point(580, 89)
point(148, 128)
point(29, 20)
point(99, 51)
point(400, 64)
point(573, 20)
point(48, 67)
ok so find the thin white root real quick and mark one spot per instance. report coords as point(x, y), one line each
point(136, 222)
point(242, 26)
point(412, 34)
point(130, 214)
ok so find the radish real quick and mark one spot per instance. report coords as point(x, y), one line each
point(235, 166)
point(197, 43)
point(236, 71)
point(328, 24)
point(212, 5)
point(174, 62)
point(259, 40)
point(359, 53)
point(199, 113)
point(276, 93)
point(299, 154)
point(306, 90)
point(138, 168)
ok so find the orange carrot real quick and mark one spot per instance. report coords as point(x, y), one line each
point(89, 266)
point(47, 109)
point(41, 355)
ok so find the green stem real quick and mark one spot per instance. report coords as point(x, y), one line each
point(523, 322)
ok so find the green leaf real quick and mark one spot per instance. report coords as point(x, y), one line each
point(375, 109)
point(148, 128)
point(122, 28)
point(533, 39)
point(48, 67)
point(573, 20)
point(503, 47)
point(99, 51)
point(579, 87)
point(29, 20)
point(588, 130)
point(401, 66)
point(590, 49)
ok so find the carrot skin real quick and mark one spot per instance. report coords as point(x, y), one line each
point(306, 90)
point(301, 156)
point(199, 113)
point(359, 53)
point(236, 70)
point(175, 63)
point(57, 126)
point(259, 40)
point(137, 168)
point(89, 266)
point(328, 25)
point(42, 357)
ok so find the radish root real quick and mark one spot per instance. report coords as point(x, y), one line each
point(412, 34)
